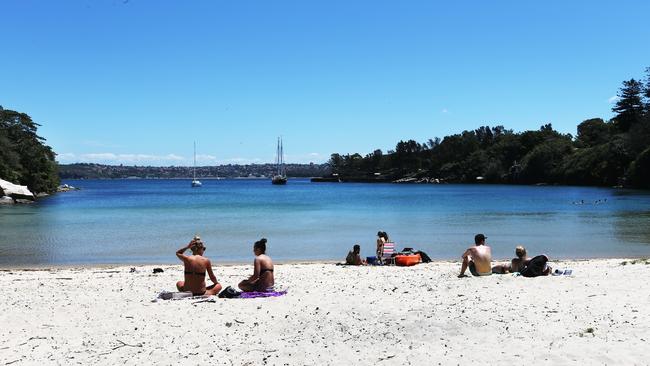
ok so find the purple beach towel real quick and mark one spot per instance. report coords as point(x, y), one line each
point(253, 295)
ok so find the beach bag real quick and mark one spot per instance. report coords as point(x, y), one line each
point(535, 267)
point(424, 256)
point(229, 293)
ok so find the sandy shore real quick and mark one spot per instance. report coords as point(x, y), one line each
point(422, 315)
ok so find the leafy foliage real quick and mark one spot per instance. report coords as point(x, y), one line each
point(24, 158)
point(602, 153)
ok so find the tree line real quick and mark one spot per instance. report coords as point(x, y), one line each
point(604, 153)
point(24, 157)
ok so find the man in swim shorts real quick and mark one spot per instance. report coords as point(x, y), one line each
point(477, 258)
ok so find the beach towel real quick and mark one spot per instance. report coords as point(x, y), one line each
point(535, 267)
point(253, 295)
point(167, 295)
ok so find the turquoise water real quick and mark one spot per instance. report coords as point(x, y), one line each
point(145, 221)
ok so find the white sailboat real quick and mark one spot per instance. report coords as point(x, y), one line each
point(195, 182)
point(281, 175)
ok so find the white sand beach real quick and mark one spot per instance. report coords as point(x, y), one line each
point(332, 315)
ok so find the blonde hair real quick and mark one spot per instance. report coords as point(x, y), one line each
point(197, 245)
point(520, 251)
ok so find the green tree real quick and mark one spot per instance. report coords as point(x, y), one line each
point(541, 165)
point(24, 158)
point(592, 132)
point(629, 107)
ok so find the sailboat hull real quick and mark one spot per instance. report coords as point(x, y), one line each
point(279, 180)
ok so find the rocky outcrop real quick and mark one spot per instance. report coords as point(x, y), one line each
point(66, 188)
point(6, 200)
point(15, 191)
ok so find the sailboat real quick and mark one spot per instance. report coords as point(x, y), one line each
point(281, 175)
point(195, 182)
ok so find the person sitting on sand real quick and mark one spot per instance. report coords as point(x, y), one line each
point(515, 265)
point(477, 258)
point(522, 259)
point(354, 257)
point(195, 267)
point(262, 279)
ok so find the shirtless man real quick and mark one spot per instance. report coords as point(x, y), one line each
point(477, 258)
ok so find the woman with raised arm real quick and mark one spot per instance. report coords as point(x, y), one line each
point(262, 279)
point(195, 267)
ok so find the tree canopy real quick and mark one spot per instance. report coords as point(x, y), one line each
point(24, 157)
point(603, 152)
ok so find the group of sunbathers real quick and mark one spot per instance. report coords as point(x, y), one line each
point(196, 265)
point(478, 259)
point(354, 256)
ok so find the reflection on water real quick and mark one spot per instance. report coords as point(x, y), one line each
point(145, 221)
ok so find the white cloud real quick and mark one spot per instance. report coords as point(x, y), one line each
point(205, 158)
point(65, 156)
point(613, 99)
point(242, 161)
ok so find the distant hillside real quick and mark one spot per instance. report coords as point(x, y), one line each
point(100, 171)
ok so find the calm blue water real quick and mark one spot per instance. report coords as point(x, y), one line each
point(145, 221)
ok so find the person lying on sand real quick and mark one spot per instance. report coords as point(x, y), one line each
point(354, 258)
point(477, 258)
point(195, 267)
point(262, 279)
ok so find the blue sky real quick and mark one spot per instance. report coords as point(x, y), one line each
point(136, 82)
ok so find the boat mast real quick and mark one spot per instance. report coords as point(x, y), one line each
point(277, 158)
point(282, 158)
point(194, 174)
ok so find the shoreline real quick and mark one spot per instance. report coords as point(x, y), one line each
point(216, 264)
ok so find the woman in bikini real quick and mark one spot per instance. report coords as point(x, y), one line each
point(195, 267)
point(262, 279)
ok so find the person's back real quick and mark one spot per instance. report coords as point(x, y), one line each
point(482, 258)
point(267, 280)
point(477, 258)
point(262, 279)
point(196, 266)
point(516, 264)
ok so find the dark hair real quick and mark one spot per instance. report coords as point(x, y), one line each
point(380, 234)
point(261, 245)
point(356, 248)
point(385, 235)
point(479, 238)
